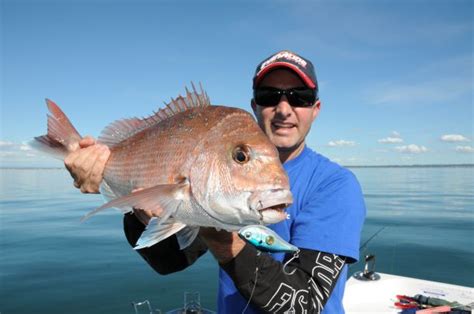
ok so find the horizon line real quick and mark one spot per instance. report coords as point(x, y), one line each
point(346, 166)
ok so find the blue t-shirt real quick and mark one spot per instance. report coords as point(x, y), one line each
point(327, 214)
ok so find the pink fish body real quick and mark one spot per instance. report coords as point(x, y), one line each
point(196, 165)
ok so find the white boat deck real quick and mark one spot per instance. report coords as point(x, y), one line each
point(379, 296)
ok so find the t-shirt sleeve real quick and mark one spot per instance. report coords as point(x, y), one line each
point(332, 216)
point(165, 257)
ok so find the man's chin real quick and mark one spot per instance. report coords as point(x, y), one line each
point(287, 147)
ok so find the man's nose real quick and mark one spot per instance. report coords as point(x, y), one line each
point(283, 108)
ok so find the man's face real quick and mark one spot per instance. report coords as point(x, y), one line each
point(286, 126)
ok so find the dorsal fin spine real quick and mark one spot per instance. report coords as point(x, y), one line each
point(182, 103)
point(171, 105)
point(120, 130)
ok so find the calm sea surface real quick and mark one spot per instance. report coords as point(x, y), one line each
point(51, 263)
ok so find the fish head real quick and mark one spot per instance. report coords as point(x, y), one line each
point(240, 174)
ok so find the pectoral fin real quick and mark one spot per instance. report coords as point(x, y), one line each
point(186, 236)
point(162, 199)
point(157, 231)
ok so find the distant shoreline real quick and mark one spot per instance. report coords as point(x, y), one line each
point(347, 166)
point(413, 166)
point(32, 168)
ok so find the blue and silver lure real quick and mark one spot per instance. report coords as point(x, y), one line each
point(265, 239)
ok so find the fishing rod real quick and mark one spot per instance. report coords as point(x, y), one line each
point(370, 239)
point(364, 245)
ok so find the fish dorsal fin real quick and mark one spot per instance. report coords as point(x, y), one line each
point(120, 130)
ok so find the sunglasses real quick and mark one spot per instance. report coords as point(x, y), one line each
point(297, 97)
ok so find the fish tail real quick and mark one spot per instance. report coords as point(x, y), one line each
point(62, 137)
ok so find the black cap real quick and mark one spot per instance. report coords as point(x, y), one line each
point(287, 59)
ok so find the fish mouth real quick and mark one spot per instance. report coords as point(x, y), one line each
point(271, 204)
point(274, 214)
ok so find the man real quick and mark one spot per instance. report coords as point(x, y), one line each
point(325, 219)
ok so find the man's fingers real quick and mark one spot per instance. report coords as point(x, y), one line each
point(92, 167)
point(86, 166)
point(97, 172)
point(86, 141)
point(142, 215)
point(82, 165)
point(147, 212)
point(77, 167)
point(69, 164)
point(69, 160)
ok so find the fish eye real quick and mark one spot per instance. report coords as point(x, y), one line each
point(248, 234)
point(270, 240)
point(241, 154)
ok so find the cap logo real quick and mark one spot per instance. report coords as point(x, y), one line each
point(284, 55)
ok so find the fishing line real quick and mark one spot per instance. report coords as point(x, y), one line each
point(363, 246)
point(370, 239)
point(295, 256)
point(254, 284)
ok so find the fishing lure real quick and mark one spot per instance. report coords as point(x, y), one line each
point(265, 239)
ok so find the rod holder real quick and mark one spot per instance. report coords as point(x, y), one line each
point(369, 273)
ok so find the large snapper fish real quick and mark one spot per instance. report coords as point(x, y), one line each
point(193, 163)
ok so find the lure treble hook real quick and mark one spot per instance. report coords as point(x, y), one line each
point(295, 256)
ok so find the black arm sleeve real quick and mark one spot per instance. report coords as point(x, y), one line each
point(306, 290)
point(164, 257)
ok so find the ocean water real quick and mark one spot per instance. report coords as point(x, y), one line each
point(52, 263)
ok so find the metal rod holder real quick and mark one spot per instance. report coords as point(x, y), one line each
point(369, 273)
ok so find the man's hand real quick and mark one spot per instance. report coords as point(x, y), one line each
point(223, 245)
point(86, 165)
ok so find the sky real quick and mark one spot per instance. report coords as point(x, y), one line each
point(395, 77)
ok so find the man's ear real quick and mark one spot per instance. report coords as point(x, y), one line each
point(316, 109)
point(254, 106)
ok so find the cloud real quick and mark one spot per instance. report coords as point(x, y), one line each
point(390, 140)
point(14, 150)
point(411, 149)
point(6, 154)
point(5, 143)
point(454, 138)
point(21, 154)
point(393, 138)
point(25, 147)
point(465, 149)
point(341, 143)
